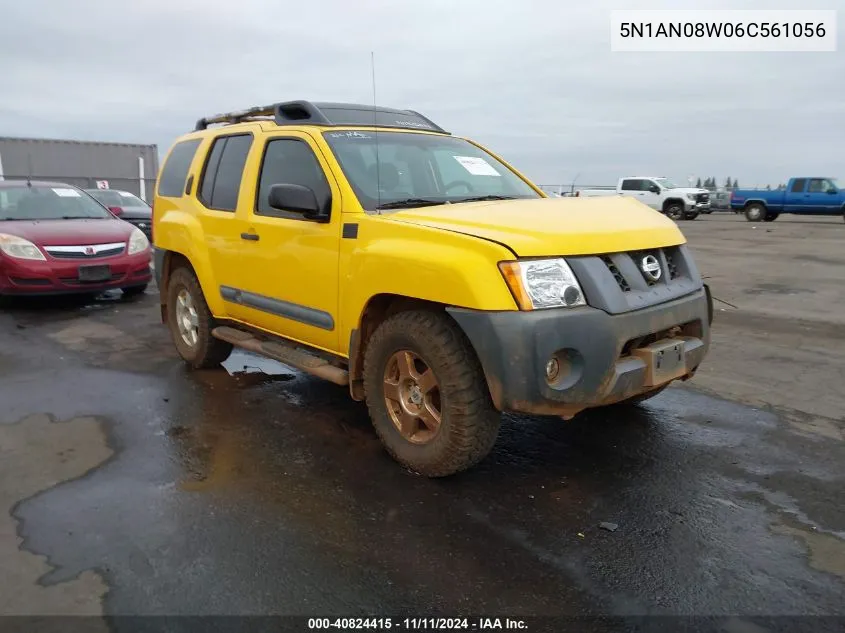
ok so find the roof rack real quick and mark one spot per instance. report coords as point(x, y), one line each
point(326, 114)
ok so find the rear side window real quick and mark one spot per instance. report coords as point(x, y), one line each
point(221, 180)
point(798, 185)
point(289, 161)
point(631, 184)
point(171, 184)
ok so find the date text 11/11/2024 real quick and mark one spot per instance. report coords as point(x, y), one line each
point(417, 624)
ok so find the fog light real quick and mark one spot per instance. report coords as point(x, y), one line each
point(571, 295)
point(552, 369)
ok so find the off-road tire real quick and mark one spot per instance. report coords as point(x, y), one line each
point(674, 210)
point(755, 212)
point(469, 422)
point(134, 291)
point(208, 351)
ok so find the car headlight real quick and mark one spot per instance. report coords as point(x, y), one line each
point(17, 247)
point(691, 196)
point(543, 283)
point(138, 242)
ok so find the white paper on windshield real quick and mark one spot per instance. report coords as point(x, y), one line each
point(477, 166)
point(66, 193)
point(126, 194)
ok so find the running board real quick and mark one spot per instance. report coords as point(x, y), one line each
point(284, 353)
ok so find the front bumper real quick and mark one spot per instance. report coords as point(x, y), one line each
point(59, 277)
point(602, 357)
point(696, 206)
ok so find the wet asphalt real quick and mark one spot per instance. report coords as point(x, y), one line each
point(258, 490)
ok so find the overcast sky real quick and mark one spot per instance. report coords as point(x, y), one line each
point(533, 80)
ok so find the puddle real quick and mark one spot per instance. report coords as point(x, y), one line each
point(242, 364)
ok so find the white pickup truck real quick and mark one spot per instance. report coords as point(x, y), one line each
point(679, 203)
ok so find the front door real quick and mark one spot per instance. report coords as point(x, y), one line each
point(289, 283)
point(649, 196)
point(821, 197)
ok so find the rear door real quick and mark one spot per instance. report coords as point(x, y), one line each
point(218, 197)
point(793, 198)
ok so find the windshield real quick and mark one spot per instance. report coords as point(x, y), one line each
point(415, 169)
point(47, 203)
point(666, 183)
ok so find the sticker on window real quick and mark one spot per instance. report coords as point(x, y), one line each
point(350, 134)
point(126, 194)
point(477, 166)
point(66, 193)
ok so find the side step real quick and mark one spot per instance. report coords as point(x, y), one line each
point(287, 354)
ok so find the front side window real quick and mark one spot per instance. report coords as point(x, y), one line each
point(48, 203)
point(290, 161)
point(821, 185)
point(401, 169)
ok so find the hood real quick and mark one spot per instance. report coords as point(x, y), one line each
point(69, 232)
point(689, 190)
point(554, 226)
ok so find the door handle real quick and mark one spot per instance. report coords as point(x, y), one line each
point(249, 236)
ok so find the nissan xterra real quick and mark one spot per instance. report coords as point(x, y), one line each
point(369, 247)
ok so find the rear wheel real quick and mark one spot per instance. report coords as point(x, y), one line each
point(755, 212)
point(427, 396)
point(190, 322)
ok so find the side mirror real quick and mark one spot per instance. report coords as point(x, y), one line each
point(296, 199)
point(654, 189)
point(118, 211)
point(833, 191)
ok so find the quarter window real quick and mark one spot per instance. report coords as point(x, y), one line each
point(175, 170)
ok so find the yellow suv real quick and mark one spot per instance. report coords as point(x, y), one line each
point(369, 247)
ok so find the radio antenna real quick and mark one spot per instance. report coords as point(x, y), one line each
point(375, 126)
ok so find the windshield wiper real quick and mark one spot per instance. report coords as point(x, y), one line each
point(482, 198)
point(410, 202)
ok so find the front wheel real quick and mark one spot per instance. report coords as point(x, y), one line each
point(675, 210)
point(427, 396)
point(755, 212)
point(690, 215)
point(771, 217)
point(190, 322)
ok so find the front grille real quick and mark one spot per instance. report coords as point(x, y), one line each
point(671, 264)
point(80, 255)
point(630, 269)
point(29, 282)
point(620, 279)
point(702, 197)
point(144, 224)
point(73, 281)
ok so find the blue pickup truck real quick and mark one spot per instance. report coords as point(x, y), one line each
point(805, 196)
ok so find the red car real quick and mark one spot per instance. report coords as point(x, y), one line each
point(56, 239)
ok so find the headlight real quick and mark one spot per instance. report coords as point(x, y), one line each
point(15, 246)
point(691, 196)
point(543, 283)
point(138, 242)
